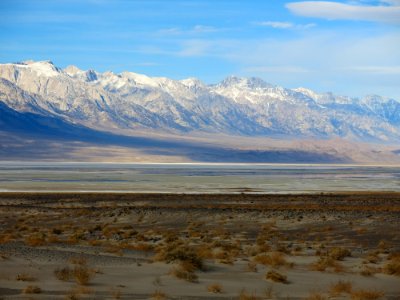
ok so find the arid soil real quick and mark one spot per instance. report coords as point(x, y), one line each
point(184, 246)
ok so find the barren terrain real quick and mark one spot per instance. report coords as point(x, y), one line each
point(178, 246)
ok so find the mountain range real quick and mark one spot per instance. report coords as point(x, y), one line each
point(246, 119)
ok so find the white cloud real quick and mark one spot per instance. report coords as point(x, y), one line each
point(340, 11)
point(273, 24)
point(285, 25)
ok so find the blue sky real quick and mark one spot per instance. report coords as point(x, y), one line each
point(347, 47)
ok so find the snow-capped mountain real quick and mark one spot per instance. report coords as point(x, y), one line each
point(235, 106)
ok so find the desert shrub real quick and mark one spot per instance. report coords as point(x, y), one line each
point(32, 289)
point(116, 294)
point(393, 255)
point(5, 238)
point(372, 257)
point(24, 277)
point(35, 240)
point(215, 288)
point(316, 296)
point(225, 257)
point(324, 263)
point(145, 247)
point(244, 295)
point(338, 253)
point(82, 274)
point(182, 273)
point(158, 295)
point(205, 251)
point(181, 253)
point(392, 267)
point(366, 295)
point(276, 276)
point(340, 287)
point(383, 245)
point(63, 274)
point(275, 259)
point(369, 271)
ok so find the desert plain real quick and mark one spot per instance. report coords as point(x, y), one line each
point(200, 246)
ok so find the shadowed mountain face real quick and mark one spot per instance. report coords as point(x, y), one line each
point(53, 138)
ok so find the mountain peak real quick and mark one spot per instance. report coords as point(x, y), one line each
point(307, 92)
point(192, 82)
point(41, 62)
point(72, 70)
point(44, 68)
point(252, 82)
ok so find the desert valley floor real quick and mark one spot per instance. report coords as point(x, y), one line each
point(180, 246)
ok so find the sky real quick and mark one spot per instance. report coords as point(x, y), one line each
point(346, 47)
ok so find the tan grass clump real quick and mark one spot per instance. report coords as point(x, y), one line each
point(82, 274)
point(275, 259)
point(158, 295)
point(338, 253)
point(366, 295)
point(244, 295)
point(63, 274)
point(178, 252)
point(32, 289)
point(316, 296)
point(5, 238)
point(215, 288)
point(393, 266)
point(184, 272)
point(24, 277)
point(35, 240)
point(369, 271)
point(324, 263)
point(276, 277)
point(340, 287)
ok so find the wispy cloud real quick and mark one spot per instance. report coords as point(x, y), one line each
point(147, 64)
point(341, 11)
point(391, 2)
point(273, 24)
point(378, 70)
point(198, 29)
point(285, 25)
point(276, 69)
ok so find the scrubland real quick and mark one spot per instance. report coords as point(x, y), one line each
point(182, 246)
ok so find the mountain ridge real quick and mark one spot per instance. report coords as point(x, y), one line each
point(128, 103)
point(237, 106)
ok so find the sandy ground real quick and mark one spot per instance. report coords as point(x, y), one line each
point(138, 246)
